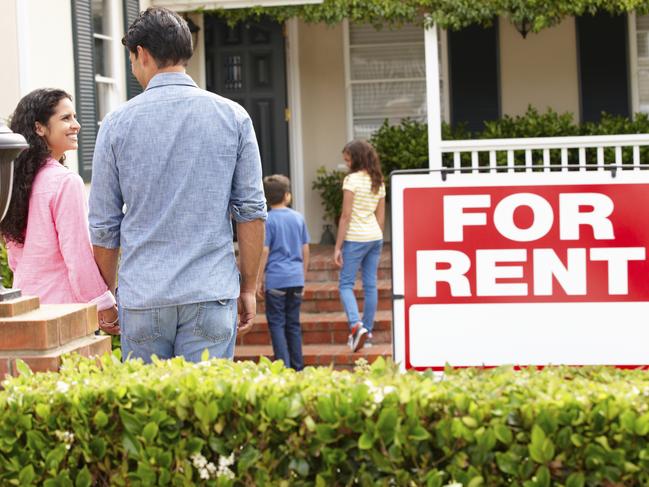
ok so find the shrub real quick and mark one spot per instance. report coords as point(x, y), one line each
point(330, 186)
point(5, 271)
point(405, 146)
point(223, 423)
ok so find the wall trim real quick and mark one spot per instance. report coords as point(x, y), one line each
point(294, 101)
point(633, 64)
point(348, 81)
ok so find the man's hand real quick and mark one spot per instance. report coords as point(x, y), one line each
point(247, 306)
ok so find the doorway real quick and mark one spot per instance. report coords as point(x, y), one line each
point(247, 64)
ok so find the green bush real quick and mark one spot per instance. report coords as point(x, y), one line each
point(5, 271)
point(330, 186)
point(405, 146)
point(223, 423)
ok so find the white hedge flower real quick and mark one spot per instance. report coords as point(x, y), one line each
point(62, 387)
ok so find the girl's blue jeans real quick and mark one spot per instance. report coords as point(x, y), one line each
point(363, 255)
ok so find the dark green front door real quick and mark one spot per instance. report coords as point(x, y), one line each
point(246, 63)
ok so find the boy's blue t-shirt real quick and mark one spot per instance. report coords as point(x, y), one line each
point(286, 233)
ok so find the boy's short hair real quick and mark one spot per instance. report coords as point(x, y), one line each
point(276, 187)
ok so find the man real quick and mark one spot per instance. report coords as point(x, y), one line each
point(171, 168)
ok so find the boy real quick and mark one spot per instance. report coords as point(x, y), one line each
point(285, 260)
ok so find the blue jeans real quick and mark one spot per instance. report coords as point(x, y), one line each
point(363, 255)
point(185, 330)
point(283, 315)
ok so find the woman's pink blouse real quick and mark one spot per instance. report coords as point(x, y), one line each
point(56, 262)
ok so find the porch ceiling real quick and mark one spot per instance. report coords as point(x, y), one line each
point(190, 5)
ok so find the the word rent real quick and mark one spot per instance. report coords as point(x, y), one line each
point(501, 272)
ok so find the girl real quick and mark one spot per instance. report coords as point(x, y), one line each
point(360, 237)
point(46, 226)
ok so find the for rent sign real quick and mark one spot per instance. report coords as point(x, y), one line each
point(523, 269)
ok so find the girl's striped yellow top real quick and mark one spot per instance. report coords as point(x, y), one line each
point(363, 226)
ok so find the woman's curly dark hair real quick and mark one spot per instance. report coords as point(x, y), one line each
point(365, 158)
point(37, 106)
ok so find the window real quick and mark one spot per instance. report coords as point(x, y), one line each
point(386, 76)
point(99, 67)
point(106, 36)
point(640, 65)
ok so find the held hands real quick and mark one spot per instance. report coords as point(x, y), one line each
point(109, 321)
point(247, 309)
point(338, 257)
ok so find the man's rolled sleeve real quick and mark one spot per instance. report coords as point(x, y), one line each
point(105, 202)
point(247, 201)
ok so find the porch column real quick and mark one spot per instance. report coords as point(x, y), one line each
point(433, 98)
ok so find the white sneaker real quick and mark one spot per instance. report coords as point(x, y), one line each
point(352, 334)
point(359, 339)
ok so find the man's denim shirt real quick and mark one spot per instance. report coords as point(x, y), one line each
point(170, 168)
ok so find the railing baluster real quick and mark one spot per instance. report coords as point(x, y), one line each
point(510, 157)
point(636, 157)
point(600, 155)
point(456, 160)
point(582, 158)
point(492, 159)
point(528, 158)
point(474, 159)
point(564, 156)
point(618, 155)
point(546, 159)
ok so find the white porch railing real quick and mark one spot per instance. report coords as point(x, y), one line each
point(566, 153)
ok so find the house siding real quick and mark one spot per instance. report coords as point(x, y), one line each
point(324, 115)
point(9, 75)
point(540, 70)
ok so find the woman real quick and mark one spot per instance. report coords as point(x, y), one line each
point(46, 226)
point(360, 237)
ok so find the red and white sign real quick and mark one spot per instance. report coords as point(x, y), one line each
point(521, 269)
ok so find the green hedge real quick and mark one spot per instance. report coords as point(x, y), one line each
point(224, 423)
point(405, 146)
point(5, 272)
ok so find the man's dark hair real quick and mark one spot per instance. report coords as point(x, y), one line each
point(276, 187)
point(163, 33)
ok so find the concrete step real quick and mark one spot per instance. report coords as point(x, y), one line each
point(338, 356)
point(321, 328)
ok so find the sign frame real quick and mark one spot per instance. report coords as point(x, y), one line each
point(488, 177)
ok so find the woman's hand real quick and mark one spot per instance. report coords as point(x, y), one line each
point(109, 321)
point(338, 257)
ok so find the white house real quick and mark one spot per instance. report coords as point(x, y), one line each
point(312, 87)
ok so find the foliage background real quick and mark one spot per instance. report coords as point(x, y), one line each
point(405, 146)
point(450, 14)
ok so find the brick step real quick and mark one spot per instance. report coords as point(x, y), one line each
point(50, 360)
point(18, 306)
point(323, 328)
point(322, 355)
point(49, 326)
point(324, 297)
point(321, 258)
point(320, 275)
